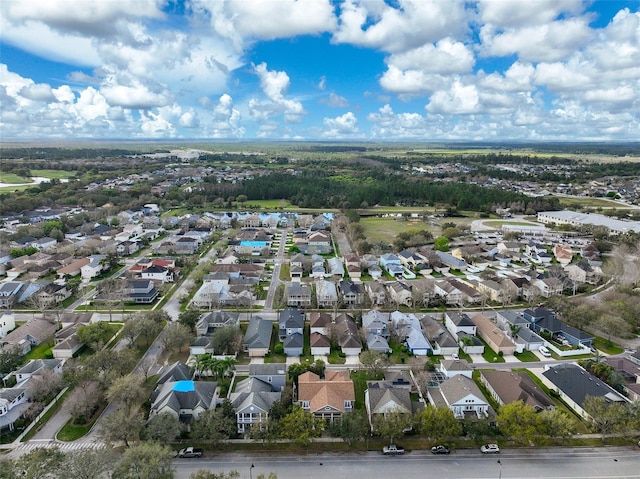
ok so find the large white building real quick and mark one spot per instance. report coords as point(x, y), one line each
point(574, 218)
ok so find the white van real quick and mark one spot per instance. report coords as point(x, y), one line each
point(545, 352)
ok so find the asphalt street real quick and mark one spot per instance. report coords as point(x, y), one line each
point(551, 463)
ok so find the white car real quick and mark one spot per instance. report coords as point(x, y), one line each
point(489, 449)
point(545, 352)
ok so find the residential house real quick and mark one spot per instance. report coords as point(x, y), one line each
point(348, 335)
point(461, 395)
point(514, 322)
point(291, 331)
point(185, 400)
point(383, 397)
point(352, 293)
point(542, 320)
point(630, 373)
point(7, 323)
point(10, 292)
point(407, 328)
point(400, 293)
point(320, 344)
point(298, 294)
point(128, 247)
point(451, 295)
point(32, 333)
point(326, 398)
point(375, 272)
point(376, 322)
point(510, 386)
point(141, 291)
point(326, 294)
point(320, 323)
point(36, 368)
point(457, 323)
point(377, 292)
point(441, 340)
point(53, 293)
point(582, 272)
point(490, 290)
point(392, 264)
point(13, 404)
point(209, 322)
point(451, 261)
point(317, 242)
point(335, 267)
point(548, 286)
point(73, 269)
point(45, 244)
point(258, 337)
point(563, 253)
point(492, 335)
point(93, 268)
point(252, 401)
point(574, 384)
point(468, 294)
point(453, 367)
point(157, 273)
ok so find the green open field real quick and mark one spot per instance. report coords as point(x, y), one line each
point(53, 174)
point(498, 223)
point(592, 202)
point(386, 229)
point(12, 179)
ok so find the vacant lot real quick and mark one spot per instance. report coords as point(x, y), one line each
point(53, 174)
point(386, 229)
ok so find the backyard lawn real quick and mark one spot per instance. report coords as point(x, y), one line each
point(386, 229)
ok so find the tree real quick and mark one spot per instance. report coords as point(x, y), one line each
point(189, 318)
point(296, 369)
point(226, 339)
point(299, 426)
point(216, 425)
point(519, 421)
point(556, 423)
point(122, 425)
point(164, 428)
point(437, 423)
point(391, 425)
point(351, 427)
point(10, 359)
point(441, 244)
point(40, 463)
point(176, 336)
point(147, 460)
point(93, 335)
point(605, 417)
point(375, 363)
point(127, 391)
point(88, 463)
point(206, 474)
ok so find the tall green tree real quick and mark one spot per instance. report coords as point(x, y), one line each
point(437, 423)
point(216, 425)
point(164, 428)
point(351, 427)
point(519, 421)
point(299, 426)
point(391, 425)
point(147, 460)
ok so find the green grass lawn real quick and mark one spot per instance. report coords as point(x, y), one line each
point(52, 174)
point(335, 358)
point(490, 355)
point(527, 356)
point(12, 179)
point(606, 346)
point(42, 351)
point(360, 379)
point(386, 229)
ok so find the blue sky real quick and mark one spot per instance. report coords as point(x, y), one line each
point(345, 70)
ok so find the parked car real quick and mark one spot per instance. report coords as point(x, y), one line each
point(190, 452)
point(545, 352)
point(392, 450)
point(440, 450)
point(489, 449)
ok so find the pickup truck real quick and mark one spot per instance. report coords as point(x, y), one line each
point(392, 450)
point(190, 452)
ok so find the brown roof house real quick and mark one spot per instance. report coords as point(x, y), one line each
point(493, 335)
point(326, 398)
point(509, 386)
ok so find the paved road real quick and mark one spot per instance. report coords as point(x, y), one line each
point(557, 463)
